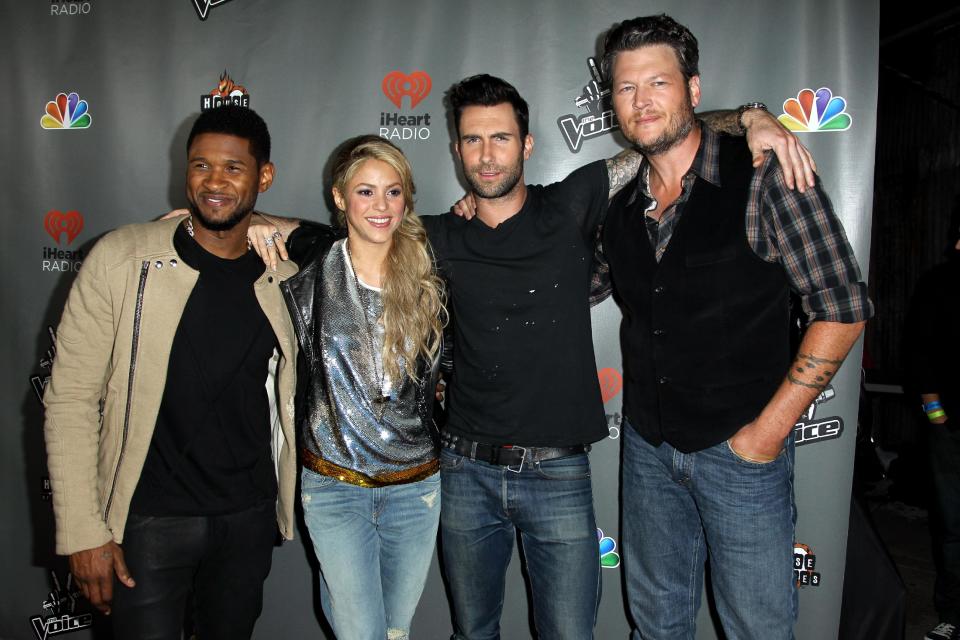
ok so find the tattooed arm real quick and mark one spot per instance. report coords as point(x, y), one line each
point(821, 353)
point(622, 168)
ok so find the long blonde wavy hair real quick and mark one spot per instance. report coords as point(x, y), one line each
point(414, 301)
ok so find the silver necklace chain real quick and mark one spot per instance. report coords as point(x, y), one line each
point(379, 400)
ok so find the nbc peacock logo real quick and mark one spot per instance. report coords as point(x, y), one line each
point(609, 558)
point(67, 111)
point(814, 111)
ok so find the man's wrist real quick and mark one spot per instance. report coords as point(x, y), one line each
point(747, 110)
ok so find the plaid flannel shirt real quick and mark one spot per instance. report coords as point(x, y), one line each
point(797, 230)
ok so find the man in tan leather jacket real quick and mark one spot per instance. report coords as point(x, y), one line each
point(169, 465)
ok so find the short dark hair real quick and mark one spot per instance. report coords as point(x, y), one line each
point(488, 91)
point(649, 30)
point(235, 121)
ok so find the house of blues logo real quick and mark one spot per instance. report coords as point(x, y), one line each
point(226, 92)
point(804, 566)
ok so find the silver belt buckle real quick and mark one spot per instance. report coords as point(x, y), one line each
point(523, 458)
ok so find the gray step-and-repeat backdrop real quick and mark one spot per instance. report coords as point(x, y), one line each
point(100, 94)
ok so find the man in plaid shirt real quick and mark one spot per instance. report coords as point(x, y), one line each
point(703, 251)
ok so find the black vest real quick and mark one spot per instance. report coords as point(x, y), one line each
point(705, 332)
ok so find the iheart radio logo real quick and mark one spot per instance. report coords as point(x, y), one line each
point(611, 382)
point(397, 84)
point(57, 223)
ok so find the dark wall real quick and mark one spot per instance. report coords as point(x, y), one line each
point(917, 183)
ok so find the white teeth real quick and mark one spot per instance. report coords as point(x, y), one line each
point(379, 220)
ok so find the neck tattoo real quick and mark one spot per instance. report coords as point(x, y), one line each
point(379, 399)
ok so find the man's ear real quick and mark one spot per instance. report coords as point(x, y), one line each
point(528, 146)
point(694, 85)
point(267, 173)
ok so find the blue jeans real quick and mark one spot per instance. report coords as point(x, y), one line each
point(374, 547)
point(551, 504)
point(680, 508)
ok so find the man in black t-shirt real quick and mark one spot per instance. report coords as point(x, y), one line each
point(169, 474)
point(524, 401)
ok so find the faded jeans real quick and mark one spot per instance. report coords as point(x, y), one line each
point(551, 504)
point(374, 546)
point(679, 509)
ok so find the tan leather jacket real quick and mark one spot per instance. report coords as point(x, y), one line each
point(113, 346)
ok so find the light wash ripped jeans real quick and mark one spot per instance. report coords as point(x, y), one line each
point(374, 546)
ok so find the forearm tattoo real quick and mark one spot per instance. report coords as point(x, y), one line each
point(622, 168)
point(812, 371)
point(722, 121)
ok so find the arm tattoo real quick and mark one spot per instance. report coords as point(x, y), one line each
point(622, 168)
point(812, 371)
point(723, 121)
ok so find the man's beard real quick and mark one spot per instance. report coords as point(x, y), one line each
point(242, 211)
point(680, 125)
point(511, 176)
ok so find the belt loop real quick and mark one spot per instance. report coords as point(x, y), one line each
point(473, 451)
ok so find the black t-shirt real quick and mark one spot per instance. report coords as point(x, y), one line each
point(524, 370)
point(210, 451)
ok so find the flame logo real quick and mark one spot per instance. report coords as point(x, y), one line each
point(227, 87)
point(57, 223)
point(816, 110)
point(397, 84)
point(66, 111)
point(611, 382)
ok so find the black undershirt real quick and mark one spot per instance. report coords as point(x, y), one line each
point(210, 451)
point(524, 370)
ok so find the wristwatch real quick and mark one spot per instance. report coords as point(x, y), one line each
point(746, 107)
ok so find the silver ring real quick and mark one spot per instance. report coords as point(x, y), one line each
point(277, 235)
point(268, 242)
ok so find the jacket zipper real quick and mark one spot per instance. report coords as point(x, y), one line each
point(137, 312)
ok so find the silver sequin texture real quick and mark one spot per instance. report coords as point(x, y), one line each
point(343, 425)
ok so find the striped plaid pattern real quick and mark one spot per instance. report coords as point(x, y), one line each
point(797, 230)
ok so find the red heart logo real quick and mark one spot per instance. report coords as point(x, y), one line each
point(57, 223)
point(610, 383)
point(397, 84)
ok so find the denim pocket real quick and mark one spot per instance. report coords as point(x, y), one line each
point(746, 462)
point(311, 480)
point(575, 467)
point(450, 461)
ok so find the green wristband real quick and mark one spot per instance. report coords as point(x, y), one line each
point(933, 415)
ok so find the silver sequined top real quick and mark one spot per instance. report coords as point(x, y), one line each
point(349, 430)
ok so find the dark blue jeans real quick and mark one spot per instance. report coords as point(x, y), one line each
point(678, 508)
point(551, 504)
point(945, 467)
point(221, 561)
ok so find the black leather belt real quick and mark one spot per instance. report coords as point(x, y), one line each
point(511, 456)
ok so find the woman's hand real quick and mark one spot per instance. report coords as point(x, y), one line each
point(267, 241)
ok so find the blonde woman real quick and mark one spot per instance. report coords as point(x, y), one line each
point(369, 312)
